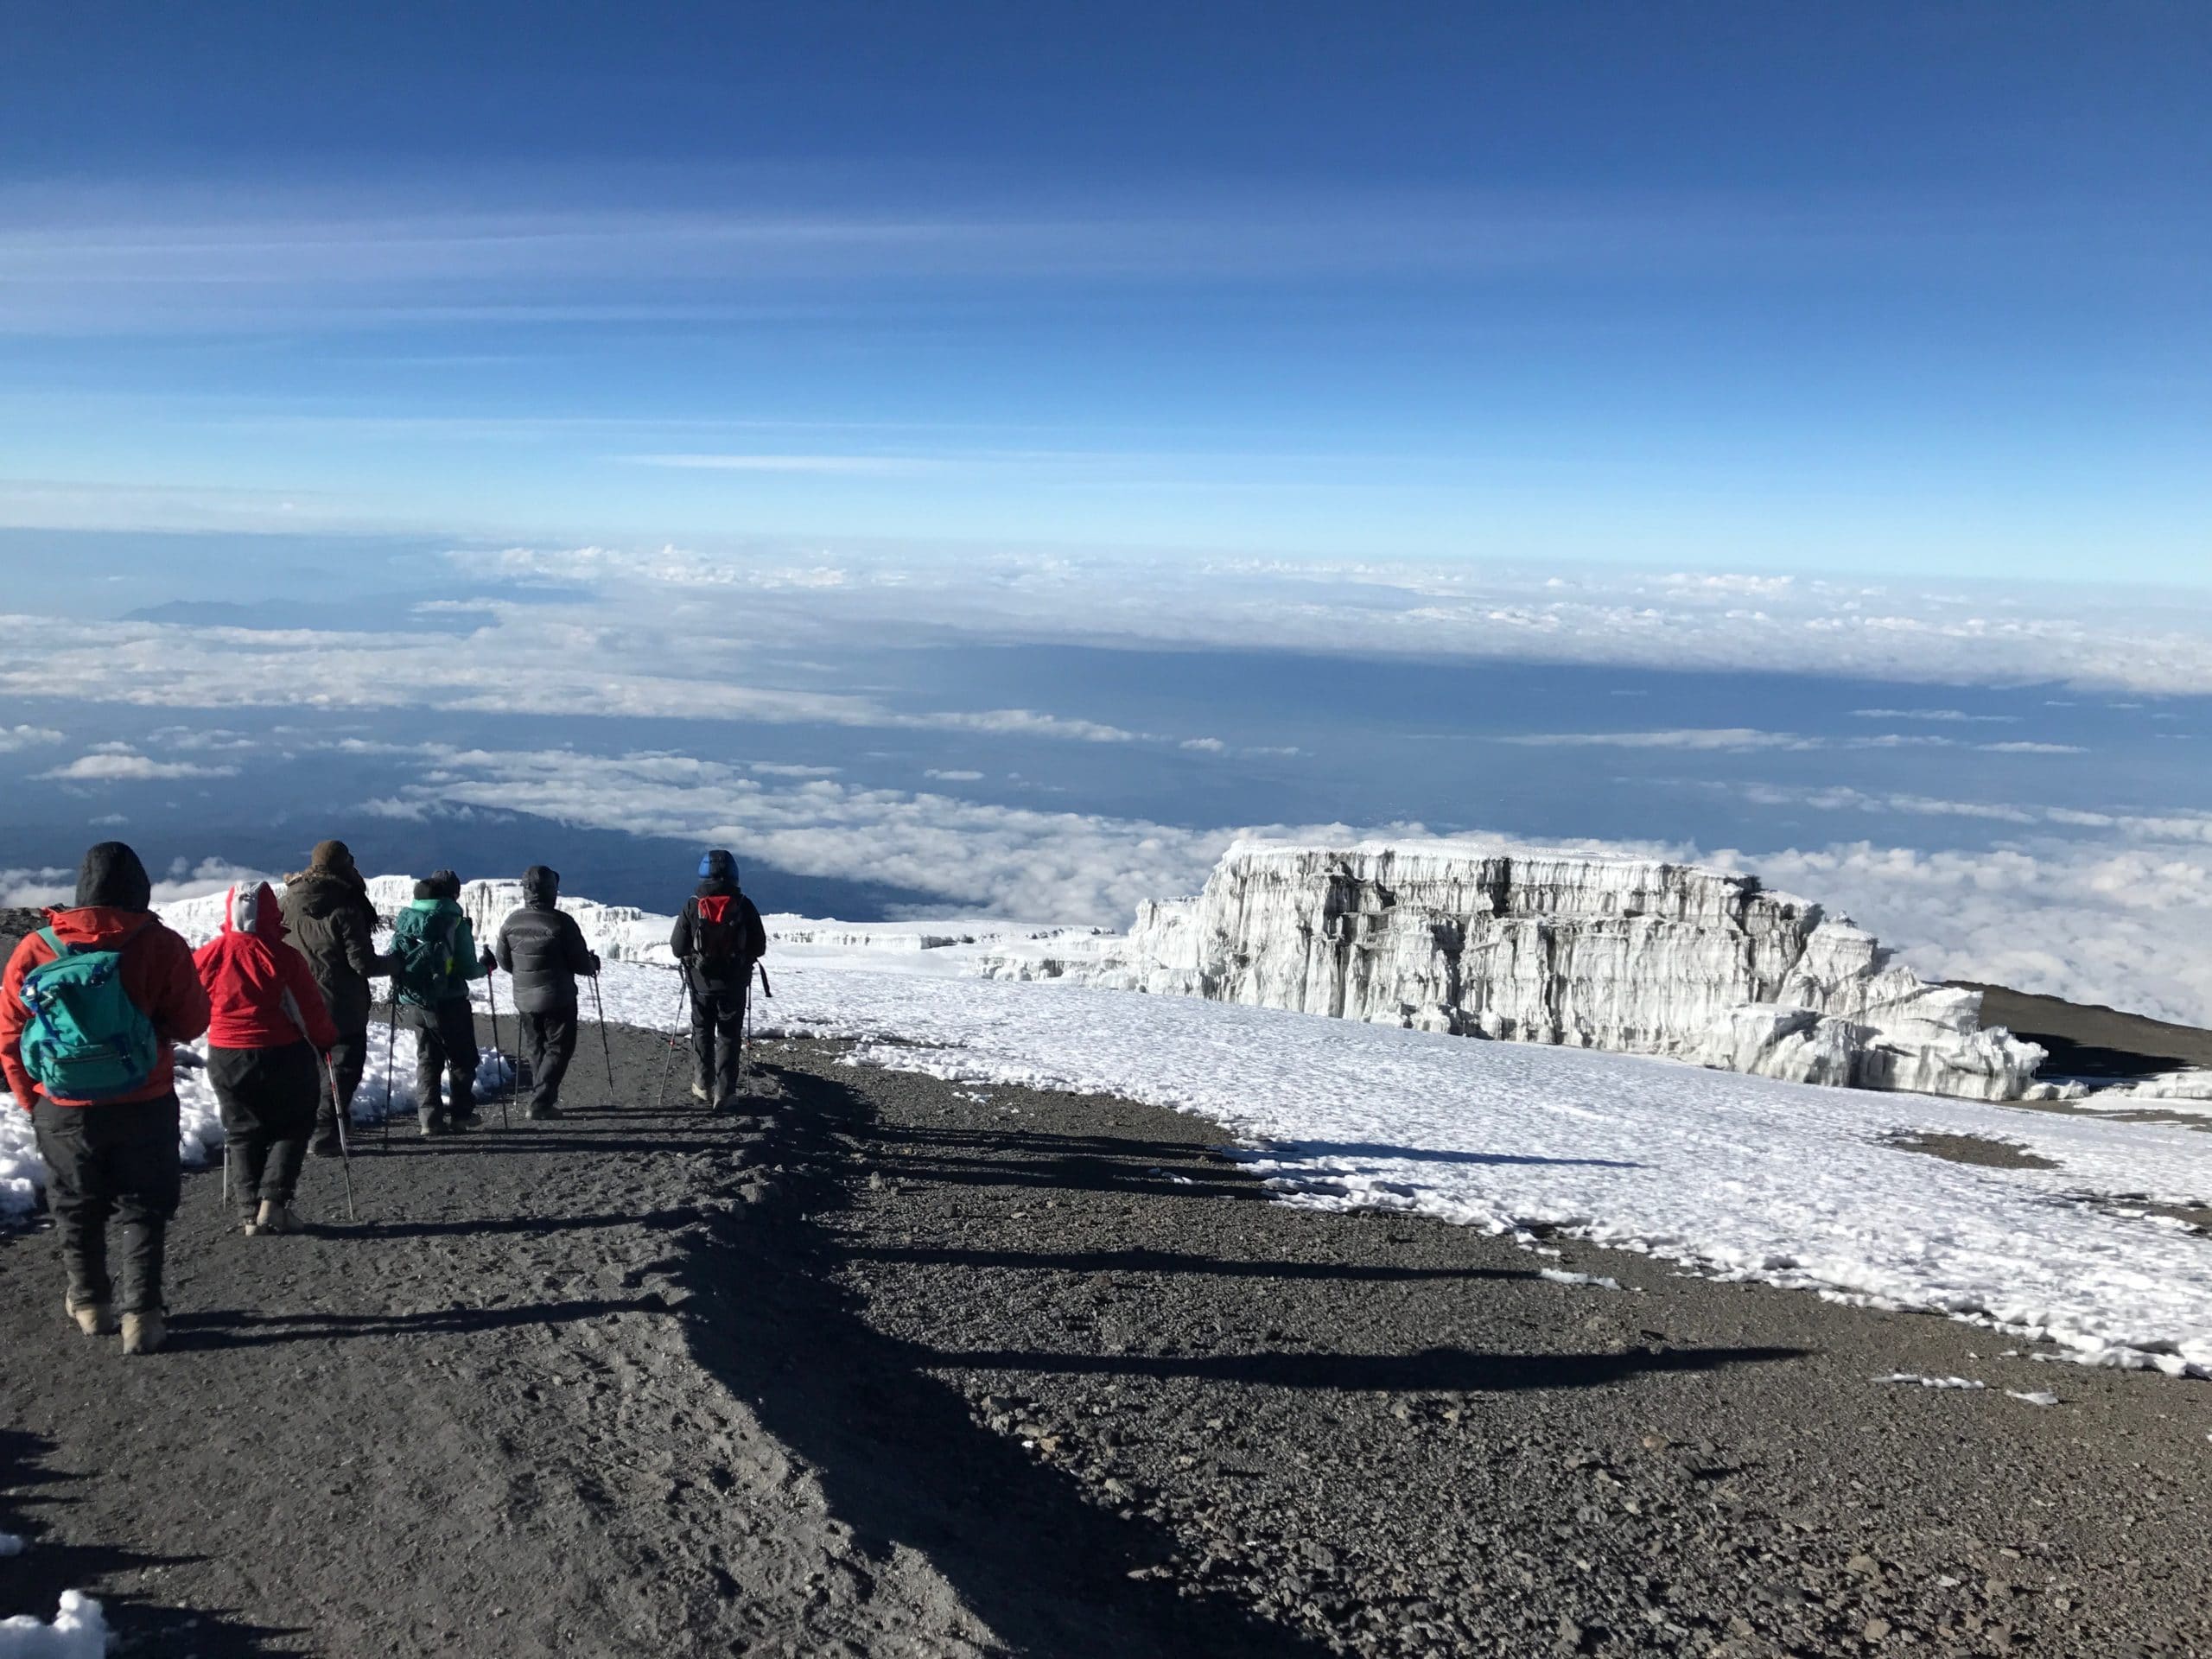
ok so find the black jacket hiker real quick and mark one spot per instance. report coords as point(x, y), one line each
point(717, 939)
point(543, 950)
point(332, 925)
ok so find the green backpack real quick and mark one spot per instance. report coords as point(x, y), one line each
point(85, 1038)
point(423, 942)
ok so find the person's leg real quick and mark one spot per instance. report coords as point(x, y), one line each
point(530, 1047)
point(149, 1179)
point(729, 1045)
point(703, 1045)
point(430, 1066)
point(78, 1195)
point(288, 1112)
point(348, 1058)
point(556, 1046)
point(457, 1027)
point(237, 1076)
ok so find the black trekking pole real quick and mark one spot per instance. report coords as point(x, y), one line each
point(745, 1052)
point(391, 1054)
point(493, 991)
point(599, 1007)
point(344, 1150)
point(668, 1055)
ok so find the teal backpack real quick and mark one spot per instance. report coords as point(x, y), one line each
point(84, 1039)
point(423, 942)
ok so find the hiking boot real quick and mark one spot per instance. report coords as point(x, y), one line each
point(276, 1219)
point(250, 1223)
point(433, 1128)
point(699, 1093)
point(541, 1112)
point(464, 1120)
point(144, 1333)
point(93, 1318)
point(326, 1144)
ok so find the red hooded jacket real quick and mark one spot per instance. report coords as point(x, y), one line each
point(261, 993)
point(158, 975)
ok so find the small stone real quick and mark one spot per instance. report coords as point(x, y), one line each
point(1877, 1630)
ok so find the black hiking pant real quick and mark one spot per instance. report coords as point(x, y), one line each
point(112, 1162)
point(445, 1040)
point(268, 1096)
point(718, 1038)
point(550, 1041)
point(349, 1058)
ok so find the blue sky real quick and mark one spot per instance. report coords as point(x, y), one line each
point(986, 458)
point(1879, 288)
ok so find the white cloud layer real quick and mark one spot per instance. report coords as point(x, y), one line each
point(109, 765)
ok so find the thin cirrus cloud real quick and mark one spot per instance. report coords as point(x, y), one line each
point(1739, 740)
point(839, 465)
point(1958, 716)
point(240, 256)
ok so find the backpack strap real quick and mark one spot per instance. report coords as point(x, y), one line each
point(53, 943)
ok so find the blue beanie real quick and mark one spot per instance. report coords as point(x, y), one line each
point(718, 863)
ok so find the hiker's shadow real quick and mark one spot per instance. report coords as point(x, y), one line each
point(222, 1328)
point(34, 1505)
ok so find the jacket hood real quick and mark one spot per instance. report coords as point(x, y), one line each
point(323, 893)
point(432, 901)
point(541, 886)
point(100, 925)
point(252, 908)
point(111, 874)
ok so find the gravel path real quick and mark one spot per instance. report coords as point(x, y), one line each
point(1392, 1436)
point(895, 1369)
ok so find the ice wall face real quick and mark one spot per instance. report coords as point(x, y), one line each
point(1630, 955)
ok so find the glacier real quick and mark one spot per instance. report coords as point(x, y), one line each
point(1635, 955)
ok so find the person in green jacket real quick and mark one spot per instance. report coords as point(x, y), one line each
point(436, 954)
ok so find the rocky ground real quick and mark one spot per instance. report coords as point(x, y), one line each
point(909, 1368)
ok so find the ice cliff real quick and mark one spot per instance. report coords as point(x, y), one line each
point(1630, 954)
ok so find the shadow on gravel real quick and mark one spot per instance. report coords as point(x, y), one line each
point(1399, 1154)
point(1181, 1261)
point(227, 1328)
point(33, 1582)
point(902, 1461)
point(505, 1224)
point(1455, 1371)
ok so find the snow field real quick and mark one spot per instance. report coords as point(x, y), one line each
point(79, 1631)
point(1735, 1177)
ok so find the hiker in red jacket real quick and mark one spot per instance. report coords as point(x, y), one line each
point(95, 1070)
point(268, 1031)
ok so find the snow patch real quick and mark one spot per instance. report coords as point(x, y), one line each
point(79, 1631)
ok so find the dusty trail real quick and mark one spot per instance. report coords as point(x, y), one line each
point(468, 1425)
point(894, 1368)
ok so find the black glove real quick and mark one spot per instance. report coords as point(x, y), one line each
point(595, 964)
point(486, 961)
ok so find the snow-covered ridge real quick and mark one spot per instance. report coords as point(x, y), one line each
point(1631, 955)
